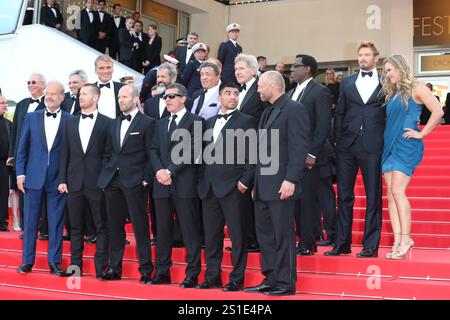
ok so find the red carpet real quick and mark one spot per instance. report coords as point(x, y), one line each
point(425, 276)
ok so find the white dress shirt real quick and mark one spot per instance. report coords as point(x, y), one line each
point(188, 54)
point(90, 14)
point(126, 124)
point(162, 107)
point(101, 14)
point(85, 129)
point(107, 101)
point(220, 123)
point(211, 92)
point(117, 21)
point(33, 106)
point(243, 93)
point(53, 10)
point(367, 85)
point(180, 114)
point(300, 89)
point(51, 126)
point(234, 42)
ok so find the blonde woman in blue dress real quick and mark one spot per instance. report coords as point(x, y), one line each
point(403, 145)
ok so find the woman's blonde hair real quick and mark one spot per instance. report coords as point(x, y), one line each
point(407, 82)
point(326, 77)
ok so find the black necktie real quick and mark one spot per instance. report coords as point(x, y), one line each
point(34, 101)
point(101, 85)
point(370, 73)
point(172, 126)
point(201, 100)
point(51, 114)
point(125, 117)
point(225, 116)
point(90, 116)
point(243, 87)
point(269, 111)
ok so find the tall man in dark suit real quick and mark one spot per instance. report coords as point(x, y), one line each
point(138, 54)
point(88, 22)
point(129, 44)
point(316, 100)
point(185, 54)
point(104, 27)
point(36, 86)
point(50, 15)
point(108, 105)
point(228, 51)
point(174, 186)
point(118, 22)
point(37, 166)
point(124, 176)
point(83, 148)
point(284, 125)
point(71, 103)
point(359, 126)
point(5, 128)
point(222, 186)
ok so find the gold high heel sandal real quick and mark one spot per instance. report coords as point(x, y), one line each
point(401, 255)
point(393, 249)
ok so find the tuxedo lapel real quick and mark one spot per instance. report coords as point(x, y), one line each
point(97, 126)
point(306, 91)
point(248, 95)
point(228, 125)
point(76, 133)
point(133, 124)
point(117, 139)
point(59, 132)
point(41, 126)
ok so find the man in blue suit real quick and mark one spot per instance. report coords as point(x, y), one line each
point(228, 51)
point(37, 169)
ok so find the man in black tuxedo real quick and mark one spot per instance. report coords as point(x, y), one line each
point(104, 27)
point(228, 51)
point(36, 86)
point(88, 22)
point(108, 105)
point(174, 186)
point(359, 126)
point(5, 128)
point(129, 44)
point(138, 54)
point(50, 15)
point(278, 184)
point(185, 54)
point(124, 177)
point(83, 148)
point(316, 99)
point(222, 186)
point(71, 103)
point(118, 22)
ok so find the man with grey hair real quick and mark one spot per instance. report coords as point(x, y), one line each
point(37, 166)
point(185, 54)
point(71, 103)
point(207, 103)
point(36, 87)
point(284, 130)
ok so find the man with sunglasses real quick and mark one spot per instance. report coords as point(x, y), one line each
point(174, 186)
point(36, 87)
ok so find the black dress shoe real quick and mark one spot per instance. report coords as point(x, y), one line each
point(210, 284)
point(43, 236)
point(153, 242)
point(91, 239)
point(228, 248)
point(177, 244)
point(21, 236)
point(127, 242)
point(162, 279)
point(146, 278)
point(367, 253)
point(233, 286)
point(253, 248)
point(25, 268)
point(55, 269)
point(325, 243)
point(4, 228)
point(280, 292)
point(110, 275)
point(66, 237)
point(336, 251)
point(189, 283)
point(306, 252)
point(264, 286)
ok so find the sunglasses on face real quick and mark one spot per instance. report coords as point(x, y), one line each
point(171, 96)
point(297, 65)
point(31, 82)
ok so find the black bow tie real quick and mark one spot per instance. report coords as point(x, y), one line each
point(101, 11)
point(116, 17)
point(225, 116)
point(125, 117)
point(243, 87)
point(51, 114)
point(370, 73)
point(101, 85)
point(34, 101)
point(84, 116)
point(73, 98)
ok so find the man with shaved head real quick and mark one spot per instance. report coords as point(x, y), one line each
point(37, 168)
point(124, 177)
point(283, 132)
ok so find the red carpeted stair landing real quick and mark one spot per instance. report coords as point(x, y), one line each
point(425, 276)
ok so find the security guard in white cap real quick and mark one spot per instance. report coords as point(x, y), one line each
point(191, 73)
point(228, 51)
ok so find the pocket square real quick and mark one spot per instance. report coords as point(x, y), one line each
point(134, 133)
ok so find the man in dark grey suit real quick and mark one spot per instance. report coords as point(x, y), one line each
point(316, 99)
point(284, 134)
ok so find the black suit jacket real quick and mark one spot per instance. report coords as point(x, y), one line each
point(184, 175)
point(291, 121)
point(48, 18)
point(88, 31)
point(227, 53)
point(105, 25)
point(114, 38)
point(222, 178)
point(132, 160)
point(79, 169)
point(352, 114)
point(5, 140)
point(180, 55)
point(252, 104)
point(126, 41)
point(317, 100)
point(151, 107)
point(117, 86)
point(19, 117)
point(152, 52)
point(191, 77)
point(66, 105)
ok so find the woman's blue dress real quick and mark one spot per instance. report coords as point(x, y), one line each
point(401, 154)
